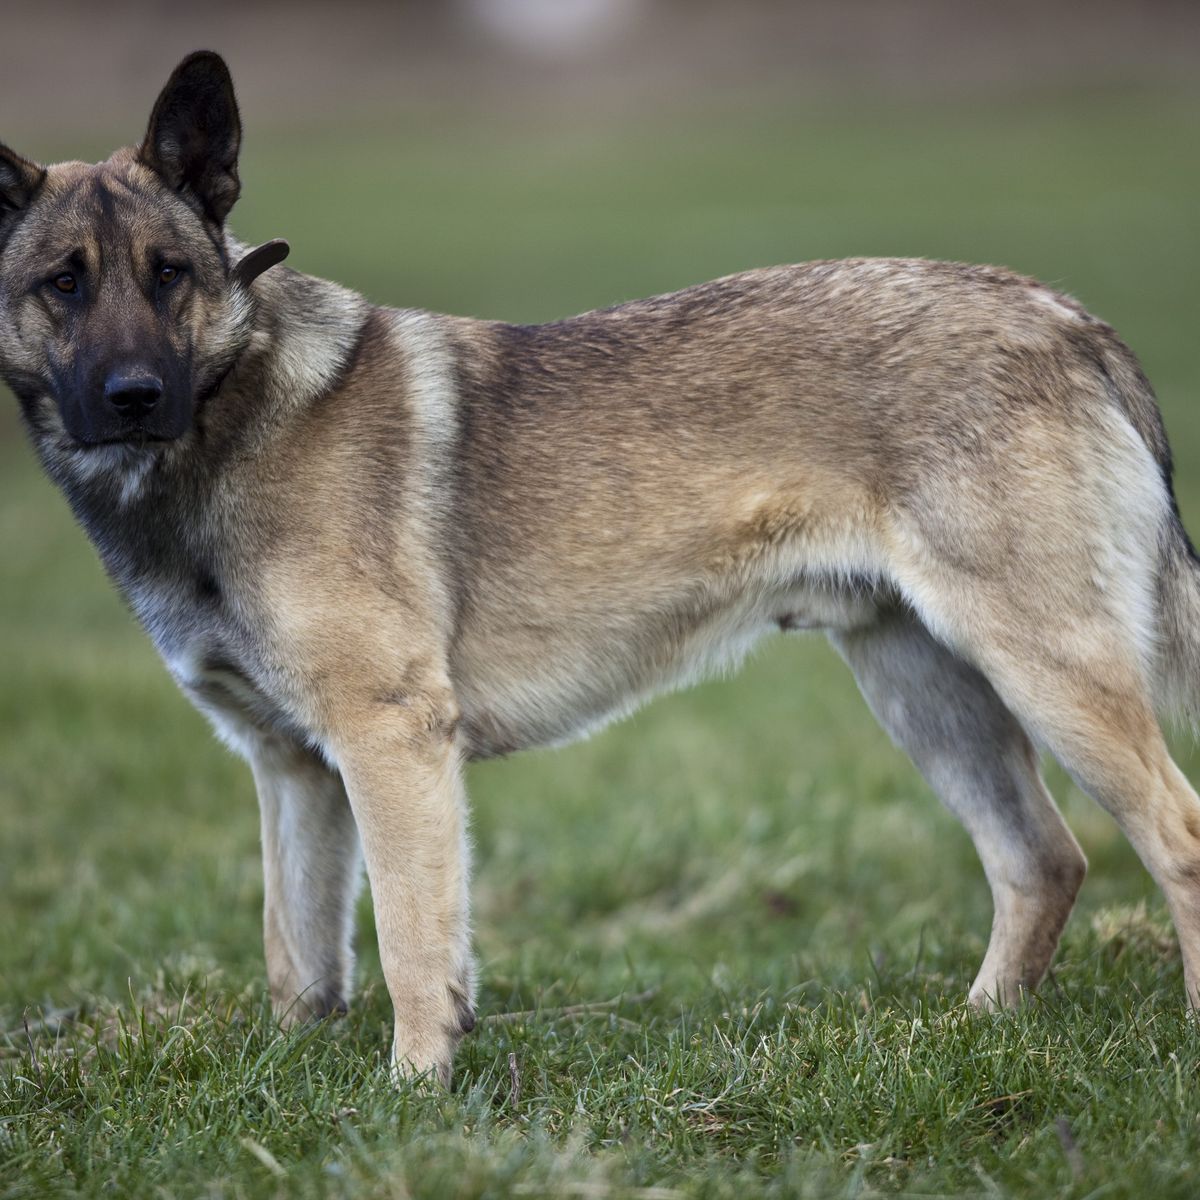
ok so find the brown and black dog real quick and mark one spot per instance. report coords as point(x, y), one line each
point(372, 544)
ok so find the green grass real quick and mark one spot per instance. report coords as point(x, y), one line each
point(786, 918)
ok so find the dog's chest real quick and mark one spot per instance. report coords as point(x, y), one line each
point(232, 694)
point(215, 660)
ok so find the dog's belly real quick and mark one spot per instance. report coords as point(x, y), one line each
point(542, 684)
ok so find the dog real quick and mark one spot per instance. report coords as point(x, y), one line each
point(372, 544)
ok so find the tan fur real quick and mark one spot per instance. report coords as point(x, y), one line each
point(392, 541)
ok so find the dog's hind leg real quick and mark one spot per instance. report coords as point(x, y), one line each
point(311, 872)
point(1070, 666)
point(977, 758)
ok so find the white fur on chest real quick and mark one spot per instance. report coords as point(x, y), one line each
point(241, 712)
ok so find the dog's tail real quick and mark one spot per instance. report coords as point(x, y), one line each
point(1178, 585)
point(1176, 637)
point(1179, 623)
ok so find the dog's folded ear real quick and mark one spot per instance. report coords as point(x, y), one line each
point(19, 180)
point(195, 134)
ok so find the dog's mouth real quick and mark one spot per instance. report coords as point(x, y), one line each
point(133, 441)
point(126, 439)
point(129, 445)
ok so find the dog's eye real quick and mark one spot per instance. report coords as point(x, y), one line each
point(65, 283)
point(168, 275)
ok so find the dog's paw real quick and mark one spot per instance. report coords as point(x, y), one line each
point(425, 1050)
point(422, 1061)
point(315, 1004)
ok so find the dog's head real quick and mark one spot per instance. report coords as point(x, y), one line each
point(119, 307)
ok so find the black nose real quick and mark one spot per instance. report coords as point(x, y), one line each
point(133, 395)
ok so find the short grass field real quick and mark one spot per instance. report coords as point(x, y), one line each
point(723, 946)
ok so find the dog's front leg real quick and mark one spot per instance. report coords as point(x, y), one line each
point(311, 871)
point(401, 764)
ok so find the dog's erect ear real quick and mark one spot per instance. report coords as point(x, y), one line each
point(19, 180)
point(195, 134)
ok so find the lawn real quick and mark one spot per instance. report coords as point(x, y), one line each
point(724, 945)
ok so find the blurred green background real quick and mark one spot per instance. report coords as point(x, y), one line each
point(752, 836)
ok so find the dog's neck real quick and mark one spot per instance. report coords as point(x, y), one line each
point(302, 334)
